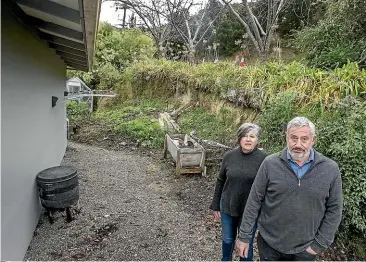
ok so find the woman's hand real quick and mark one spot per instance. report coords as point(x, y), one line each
point(217, 215)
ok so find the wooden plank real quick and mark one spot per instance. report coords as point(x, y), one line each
point(190, 170)
point(165, 146)
point(202, 164)
point(176, 136)
point(172, 148)
point(171, 122)
point(178, 165)
point(188, 150)
point(189, 160)
point(209, 142)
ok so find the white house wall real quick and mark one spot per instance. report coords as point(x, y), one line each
point(32, 132)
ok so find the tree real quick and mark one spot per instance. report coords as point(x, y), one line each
point(260, 31)
point(120, 47)
point(299, 14)
point(337, 38)
point(153, 16)
point(228, 32)
point(115, 50)
point(192, 29)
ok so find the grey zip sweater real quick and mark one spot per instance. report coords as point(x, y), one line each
point(293, 213)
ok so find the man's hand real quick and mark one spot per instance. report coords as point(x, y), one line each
point(242, 248)
point(310, 251)
point(217, 215)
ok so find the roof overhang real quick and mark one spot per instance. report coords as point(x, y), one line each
point(69, 26)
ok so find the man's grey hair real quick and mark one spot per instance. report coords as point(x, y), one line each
point(301, 121)
point(247, 127)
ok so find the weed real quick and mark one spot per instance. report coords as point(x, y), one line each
point(207, 125)
point(137, 120)
point(77, 111)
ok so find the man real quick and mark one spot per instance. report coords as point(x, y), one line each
point(296, 198)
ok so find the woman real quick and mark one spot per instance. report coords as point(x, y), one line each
point(238, 170)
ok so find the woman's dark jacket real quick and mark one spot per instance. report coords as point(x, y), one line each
point(237, 173)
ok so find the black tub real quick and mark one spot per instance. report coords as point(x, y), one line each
point(58, 187)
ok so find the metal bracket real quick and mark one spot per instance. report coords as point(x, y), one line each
point(93, 93)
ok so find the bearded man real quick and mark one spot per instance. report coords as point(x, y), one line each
point(296, 198)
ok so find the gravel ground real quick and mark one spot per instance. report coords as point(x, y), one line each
point(132, 208)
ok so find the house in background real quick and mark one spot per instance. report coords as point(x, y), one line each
point(40, 39)
point(76, 87)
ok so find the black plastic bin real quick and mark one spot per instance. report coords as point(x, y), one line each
point(58, 187)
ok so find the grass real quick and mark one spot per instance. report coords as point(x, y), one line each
point(207, 125)
point(136, 120)
point(264, 80)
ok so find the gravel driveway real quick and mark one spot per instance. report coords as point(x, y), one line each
point(132, 208)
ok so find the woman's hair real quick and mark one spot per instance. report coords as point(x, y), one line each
point(247, 127)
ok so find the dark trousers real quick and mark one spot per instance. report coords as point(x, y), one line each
point(267, 253)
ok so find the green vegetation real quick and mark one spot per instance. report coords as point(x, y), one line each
point(115, 50)
point(137, 121)
point(255, 85)
point(228, 32)
point(338, 37)
point(208, 125)
point(77, 111)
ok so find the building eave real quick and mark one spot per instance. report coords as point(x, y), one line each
point(68, 26)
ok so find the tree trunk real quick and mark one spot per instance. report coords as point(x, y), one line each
point(159, 52)
point(124, 16)
point(263, 56)
point(191, 52)
point(191, 56)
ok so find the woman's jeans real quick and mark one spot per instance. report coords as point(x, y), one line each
point(230, 226)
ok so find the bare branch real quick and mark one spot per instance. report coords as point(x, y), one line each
point(196, 27)
point(244, 23)
point(205, 32)
point(261, 39)
point(152, 16)
point(259, 26)
point(253, 24)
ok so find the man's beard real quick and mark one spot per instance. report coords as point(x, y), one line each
point(297, 156)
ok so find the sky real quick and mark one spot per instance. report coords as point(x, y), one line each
point(108, 13)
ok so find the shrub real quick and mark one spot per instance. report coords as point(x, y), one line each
point(342, 133)
point(121, 47)
point(329, 46)
point(77, 111)
point(145, 130)
point(115, 50)
point(250, 86)
point(339, 37)
point(208, 125)
point(274, 119)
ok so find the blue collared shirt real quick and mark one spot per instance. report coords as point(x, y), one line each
point(300, 170)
